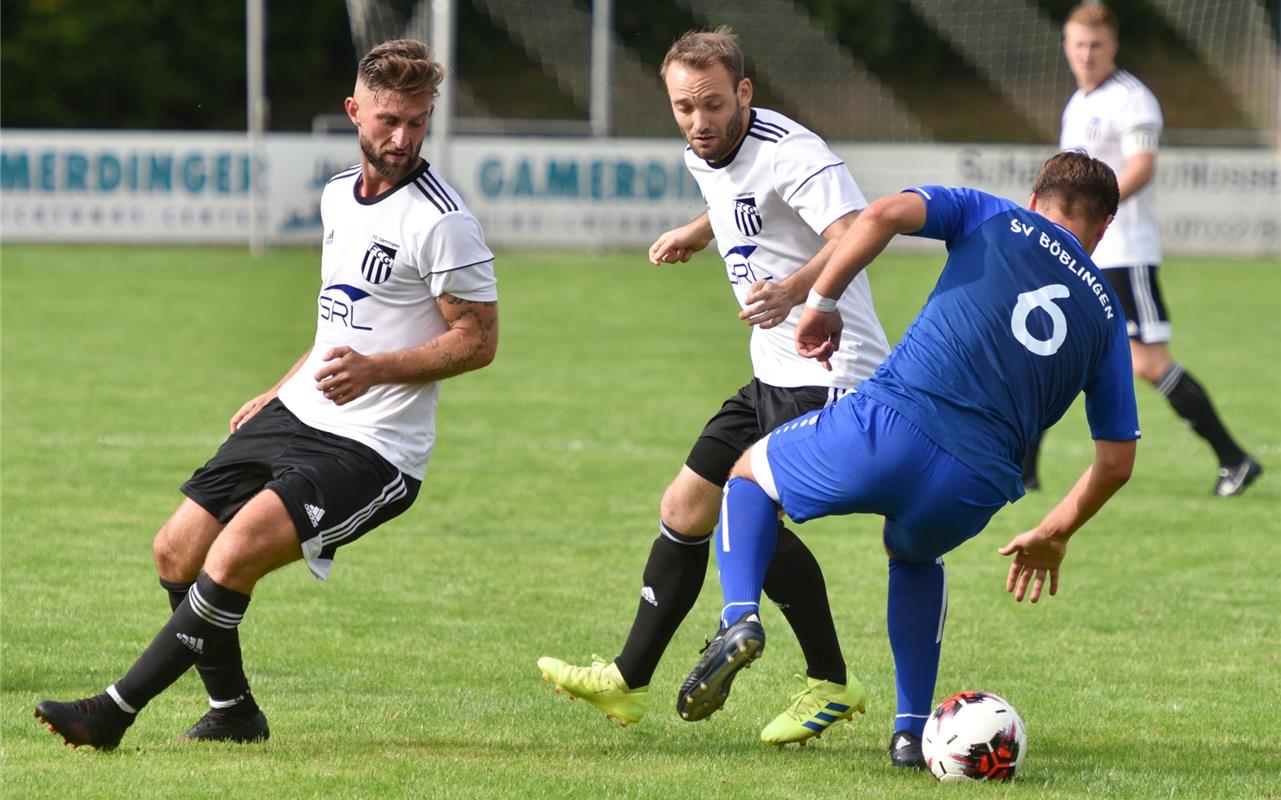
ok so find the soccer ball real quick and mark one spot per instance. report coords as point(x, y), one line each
point(974, 736)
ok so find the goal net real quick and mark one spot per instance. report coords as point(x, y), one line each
point(877, 70)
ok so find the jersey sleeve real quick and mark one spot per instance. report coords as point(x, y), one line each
point(1140, 111)
point(1110, 407)
point(952, 214)
point(455, 260)
point(814, 182)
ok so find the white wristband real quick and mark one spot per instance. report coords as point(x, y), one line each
point(818, 302)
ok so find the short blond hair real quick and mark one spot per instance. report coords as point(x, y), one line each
point(403, 66)
point(1093, 15)
point(702, 49)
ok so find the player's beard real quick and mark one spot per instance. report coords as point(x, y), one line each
point(385, 167)
point(733, 132)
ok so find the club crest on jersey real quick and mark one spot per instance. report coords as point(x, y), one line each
point(376, 266)
point(747, 216)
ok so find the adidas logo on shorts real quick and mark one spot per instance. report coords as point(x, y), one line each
point(314, 513)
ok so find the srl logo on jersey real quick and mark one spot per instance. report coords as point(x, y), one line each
point(739, 267)
point(376, 266)
point(339, 308)
point(747, 216)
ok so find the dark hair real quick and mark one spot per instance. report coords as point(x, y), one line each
point(702, 49)
point(1078, 186)
point(403, 66)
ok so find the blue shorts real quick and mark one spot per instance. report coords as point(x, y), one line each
point(861, 456)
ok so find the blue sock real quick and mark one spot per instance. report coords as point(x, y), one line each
point(745, 540)
point(917, 608)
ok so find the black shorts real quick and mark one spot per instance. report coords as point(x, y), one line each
point(1146, 318)
point(335, 489)
point(745, 418)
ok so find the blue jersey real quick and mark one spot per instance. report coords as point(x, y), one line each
point(1019, 323)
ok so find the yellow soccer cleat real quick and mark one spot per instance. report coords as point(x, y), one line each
point(819, 705)
point(600, 684)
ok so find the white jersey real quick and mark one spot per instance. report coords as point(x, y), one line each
point(1119, 118)
point(769, 205)
point(384, 262)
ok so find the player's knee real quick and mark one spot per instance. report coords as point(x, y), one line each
point(687, 514)
point(1148, 370)
point(1150, 361)
point(173, 561)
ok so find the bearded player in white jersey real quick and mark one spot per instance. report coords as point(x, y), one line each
point(340, 444)
point(776, 196)
point(1115, 118)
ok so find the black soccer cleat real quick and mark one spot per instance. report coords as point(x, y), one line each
point(225, 725)
point(905, 750)
point(95, 721)
point(1233, 480)
point(707, 687)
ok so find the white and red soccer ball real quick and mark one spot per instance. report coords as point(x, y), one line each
point(974, 736)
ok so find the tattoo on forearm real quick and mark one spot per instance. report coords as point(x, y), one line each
point(483, 324)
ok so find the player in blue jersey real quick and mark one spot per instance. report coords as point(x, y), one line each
point(1020, 322)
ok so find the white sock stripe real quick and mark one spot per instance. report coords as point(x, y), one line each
point(725, 617)
point(120, 701)
point(390, 494)
point(225, 703)
point(667, 533)
point(211, 613)
point(725, 519)
point(913, 716)
point(938, 636)
point(1171, 377)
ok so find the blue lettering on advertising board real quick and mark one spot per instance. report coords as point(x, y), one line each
point(222, 173)
point(532, 177)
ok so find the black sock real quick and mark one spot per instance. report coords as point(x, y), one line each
point(1191, 402)
point(1030, 461)
point(201, 621)
point(673, 579)
point(794, 582)
point(221, 667)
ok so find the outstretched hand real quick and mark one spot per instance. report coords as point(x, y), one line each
point(818, 335)
point(1037, 555)
point(680, 244)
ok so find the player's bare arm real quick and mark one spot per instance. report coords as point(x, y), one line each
point(769, 302)
point(818, 334)
point(254, 405)
point(470, 342)
point(1039, 552)
point(680, 244)
point(1138, 172)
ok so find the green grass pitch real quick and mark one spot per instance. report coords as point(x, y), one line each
point(1154, 673)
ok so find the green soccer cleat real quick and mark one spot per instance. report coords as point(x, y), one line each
point(815, 708)
point(600, 684)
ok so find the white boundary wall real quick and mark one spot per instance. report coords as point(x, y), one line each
point(119, 186)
